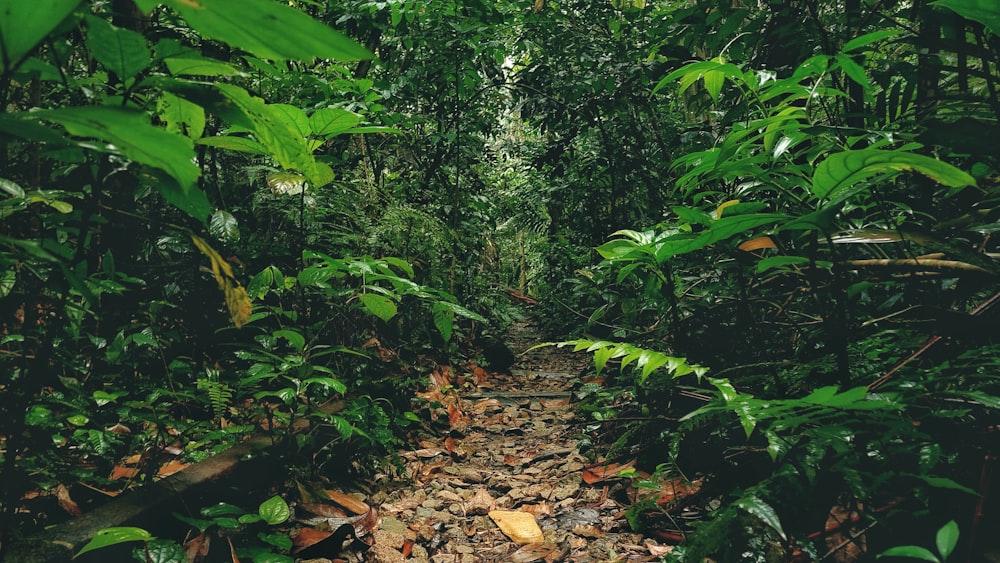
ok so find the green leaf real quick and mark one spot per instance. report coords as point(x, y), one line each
point(268, 29)
point(12, 189)
point(161, 551)
point(379, 305)
point(130, 133)
point(233, 143)
point(328, 122)
point(269, 123)
point(869, 38)
point(762, 511)
point(854, 71)
point(911, 551)
point(294, 338)
point(986, 12)
point(221, 509)
point(947, 539)
point(199, 66)
point(444, 320)
point(844, 169)
point(181, 116)
point(224, 226)
point(24, 24)
point(114, 536)
point(122, 51)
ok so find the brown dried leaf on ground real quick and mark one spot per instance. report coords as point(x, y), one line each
point(486, 405)
point(480, 503)
point(533, 552)
point(846, 540)
point(65, 502)
point(554, 403)
point(598, 473)
point(350, 502)
point(171, 467)
point(323, 509)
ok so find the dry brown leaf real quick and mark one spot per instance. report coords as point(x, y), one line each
point(120, 472)
point(323, 509)
point(659, 550)
point(352, 503)
point(554, 403)
point(597, 473)
point(407, 548)
point(197, 547)
point(65, 502)
point(480, 407)
point(520, 527)
point(119, 429)
point(430, 468)
point(132, 459)
point(677, 488)
point(450, 444)
point(423, 453)
point(307, 537)
point(531, 552)
point(367, 523)
point(845, 537)
point(588, 531)
point(539, 509)
point(455, 415)
point(171, 467)
point(480, 503)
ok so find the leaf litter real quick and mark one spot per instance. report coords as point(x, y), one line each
point(498, 475)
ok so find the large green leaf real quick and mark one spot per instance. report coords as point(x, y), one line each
point(762, 511)
point(131, 134)
point(328, 122)
point(271, 126)
point(268, 29)
point(24, 24)
point(114, 536)
point(986, 12)
point(379, 305)
point(121, 51)
point(845, 169)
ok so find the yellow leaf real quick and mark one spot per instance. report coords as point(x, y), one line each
point(237, 300)
point(722, 207)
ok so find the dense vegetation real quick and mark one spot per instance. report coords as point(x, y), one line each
point(774, 217)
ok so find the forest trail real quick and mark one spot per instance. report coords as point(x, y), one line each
point(506, 451)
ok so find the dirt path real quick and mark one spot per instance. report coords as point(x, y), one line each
point(505, 449)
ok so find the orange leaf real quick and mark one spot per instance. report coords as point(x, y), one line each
point(171, 467)
point(407, 548)
point(679, 487)
point(450, 445)
point(120, 472)
point(599, 473)
point(197, 547)
point(455, 415)
point(350, 502)
point(554, 403)
point(757, 244)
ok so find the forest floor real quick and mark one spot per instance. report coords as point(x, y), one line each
point(501, 477)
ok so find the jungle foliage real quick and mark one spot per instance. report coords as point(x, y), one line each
point(774, 217)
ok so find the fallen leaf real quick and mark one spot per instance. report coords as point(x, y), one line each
point(588, 531)
point(65, 502)
point(659, 550)
point(540, 509)
point(171, 467)
point(480, 407)
point(407, 548)
point(455, 416)
point(307, 537)
point(120, 472)
point(197, 547)
point(450, 444)
point(601, 472)
point(430, 468)
point(679, 487)
point(323, 509)
point(531, 552)
point(480, 503)
point(352, 503)
point(520, 527)
point(554, 403)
